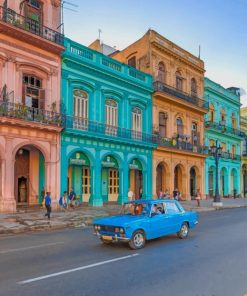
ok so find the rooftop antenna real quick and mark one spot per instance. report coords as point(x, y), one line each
point(62, 14)
point(100, 31)
point(199, 56)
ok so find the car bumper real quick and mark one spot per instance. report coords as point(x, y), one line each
point(113, 238)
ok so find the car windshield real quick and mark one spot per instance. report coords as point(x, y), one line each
point(135, 209)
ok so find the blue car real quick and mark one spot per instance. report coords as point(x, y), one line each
point(142, 220)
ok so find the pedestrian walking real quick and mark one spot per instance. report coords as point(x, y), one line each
point(176, 194)
point(48, 205)
point(198, 197)
point(160, 194)
point(234, 193)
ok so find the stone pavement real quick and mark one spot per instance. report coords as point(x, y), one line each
point(34, 220)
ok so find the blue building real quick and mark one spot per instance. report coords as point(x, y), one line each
point(106, 146)
point(222, 124)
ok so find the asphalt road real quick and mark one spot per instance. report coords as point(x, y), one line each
point(211, 262)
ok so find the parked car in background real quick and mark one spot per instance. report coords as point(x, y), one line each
point(142, 220)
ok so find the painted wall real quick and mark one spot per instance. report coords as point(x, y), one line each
point(102, 78)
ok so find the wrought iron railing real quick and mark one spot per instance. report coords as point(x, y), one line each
point(162, 87)
point(226, 155)
point(19, 111)
point(224, 129)
point(180, 143)
point(98, 128)
point(11, 17)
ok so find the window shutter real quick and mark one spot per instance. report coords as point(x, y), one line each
point(23, 94)
point(42, 99)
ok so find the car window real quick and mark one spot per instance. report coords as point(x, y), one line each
point(135, 209)
point(171, 208)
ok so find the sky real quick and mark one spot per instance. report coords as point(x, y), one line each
point(218, 26)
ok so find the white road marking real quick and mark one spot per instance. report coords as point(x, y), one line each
point(30, 248)
point(76, 269)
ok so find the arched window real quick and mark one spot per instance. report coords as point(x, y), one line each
point(179, 81)
point(80, 104)
point(194, 134)
point(32, 93)
point(111, 116)
point(161, 72)
point(163, 124)
point(179, 123)
point(136, 122)
point(223, 117)
point(234, 123)
point(211, 116)
point(33, 11)
point(193, 87)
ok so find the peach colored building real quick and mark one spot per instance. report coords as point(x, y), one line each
point(178, 112)
point(30, 66)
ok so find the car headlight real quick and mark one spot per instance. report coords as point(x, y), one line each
point(121, 230)
point(116, 229)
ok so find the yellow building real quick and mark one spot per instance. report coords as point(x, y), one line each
point(243, 127)
point(178, 112)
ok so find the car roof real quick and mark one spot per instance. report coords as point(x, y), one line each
point(152, 201)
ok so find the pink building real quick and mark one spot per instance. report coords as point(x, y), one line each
point(30, 125)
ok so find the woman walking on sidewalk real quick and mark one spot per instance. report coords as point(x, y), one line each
point(48, 204)
point(198, 197)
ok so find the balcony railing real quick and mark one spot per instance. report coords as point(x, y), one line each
point(9, 16)
point(101, 129)
point(18, 111)
point(162, 87)
point(179, 143)
point(224, 129)
point(227, 155)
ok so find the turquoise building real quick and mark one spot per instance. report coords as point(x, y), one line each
point(222, 125)
point(106, 146)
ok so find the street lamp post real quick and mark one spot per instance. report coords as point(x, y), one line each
point(216, 152)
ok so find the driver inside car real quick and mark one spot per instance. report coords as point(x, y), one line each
point(155, 210)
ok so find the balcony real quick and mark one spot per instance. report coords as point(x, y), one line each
point(221, 127)
point(10, 17)
point(227, 155)
point(179, 142)
point(186, 97)
point(97, 129)
point(17, 111)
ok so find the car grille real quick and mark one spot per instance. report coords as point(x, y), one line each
point(107, 228)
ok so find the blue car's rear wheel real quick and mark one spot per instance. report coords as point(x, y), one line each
point(184, 231)
point(138, 240)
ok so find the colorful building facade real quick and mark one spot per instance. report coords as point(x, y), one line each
point(30, 66)
point(178, 112)
point(243, 127)
point(222, 124)
point(106, 145)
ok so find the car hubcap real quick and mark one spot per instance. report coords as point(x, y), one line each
point(138, 239)
point(184, 230)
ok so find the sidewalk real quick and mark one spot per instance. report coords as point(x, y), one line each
point(34, 220)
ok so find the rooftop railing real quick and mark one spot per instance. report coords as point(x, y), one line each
point(9, 16)
point(223, 128)
point(19, 111)
point(106, 63)
point(101, 129)
point(189, 98)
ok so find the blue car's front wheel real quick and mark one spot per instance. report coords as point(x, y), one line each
point(184, 231)
point(138, 240)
